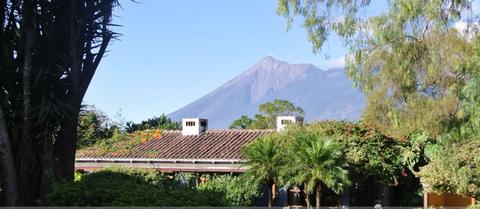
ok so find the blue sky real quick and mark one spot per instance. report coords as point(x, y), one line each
point(173, 52)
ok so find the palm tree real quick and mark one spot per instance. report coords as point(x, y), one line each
point(265, 159)
point(316, 160)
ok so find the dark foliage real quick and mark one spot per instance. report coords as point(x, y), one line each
point(131, 188)
point(49, 53)
point(162, 122)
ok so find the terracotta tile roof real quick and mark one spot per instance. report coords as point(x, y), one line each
point(172, 145)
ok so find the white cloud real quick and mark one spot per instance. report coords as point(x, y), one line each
point(335, 63)
point(465, 29)
point(460, 25)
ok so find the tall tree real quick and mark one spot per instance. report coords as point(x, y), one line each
point(419, 70)
point(452, 168)
point(265, 159)
point(410, 60)
point(49, 52)
point(271, 110)
point(316, 160)
point(268, 115)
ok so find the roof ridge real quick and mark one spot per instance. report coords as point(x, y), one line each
point(166, 131)
point(225, 130)
point(240, 130)
point(215, 143)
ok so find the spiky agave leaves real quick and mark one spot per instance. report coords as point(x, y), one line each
point(67, 42)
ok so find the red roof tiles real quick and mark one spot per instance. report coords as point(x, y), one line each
point(172, 145)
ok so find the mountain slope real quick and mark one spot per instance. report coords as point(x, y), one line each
point(322, 94)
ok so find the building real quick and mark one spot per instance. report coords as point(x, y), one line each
point(193, 149)
point(197, 149)
point(215, 151)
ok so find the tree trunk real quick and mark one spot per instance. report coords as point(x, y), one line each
point(28, 160)
point(270, 194)
point(27, 187)
point(307, 196)
point(317, 196)
point(82, 72)
point(386, 196)
point(7, 163)
point(64, 150)
point(65, 144)
point(47, 176)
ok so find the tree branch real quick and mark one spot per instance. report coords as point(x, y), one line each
point(89, 73)
point(393, 40)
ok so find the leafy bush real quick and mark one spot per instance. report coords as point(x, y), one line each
point(121, 187)
point(237, 190)
point(368, 151)
point(373, 158)
point(453, 168)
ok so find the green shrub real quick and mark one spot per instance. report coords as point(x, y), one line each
point(237, 190)
point(121, 187)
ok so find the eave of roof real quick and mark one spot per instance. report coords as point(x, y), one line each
point(165, 167)
point(156, 160)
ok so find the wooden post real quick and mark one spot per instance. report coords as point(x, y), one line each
point(425, 200)
point(273, 191)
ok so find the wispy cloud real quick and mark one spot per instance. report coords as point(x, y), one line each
point(464, 28)
point(335, 63)
point(270, 54)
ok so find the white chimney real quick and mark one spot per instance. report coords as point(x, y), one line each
point(194, 126)
point(283, 121)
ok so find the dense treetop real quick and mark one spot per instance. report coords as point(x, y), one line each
point(268, 115)
point(419, 70)
point(409, 60)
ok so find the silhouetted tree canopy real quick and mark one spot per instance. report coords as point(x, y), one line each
point(268, 115)
point(49, 53)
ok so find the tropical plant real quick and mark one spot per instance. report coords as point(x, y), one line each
point(50, 50)
point(265, 159)
point(316, 160)
point(368, 151)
